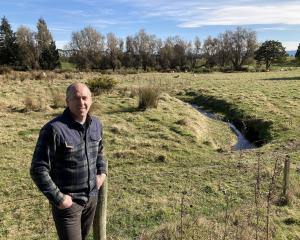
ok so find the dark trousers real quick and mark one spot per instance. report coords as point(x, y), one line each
point(74, 223)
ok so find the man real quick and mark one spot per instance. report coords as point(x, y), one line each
point(68, 166)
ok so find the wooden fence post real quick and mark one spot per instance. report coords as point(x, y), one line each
point(286, 175)
point(99, 224)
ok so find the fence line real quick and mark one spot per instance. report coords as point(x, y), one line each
point(180, 201)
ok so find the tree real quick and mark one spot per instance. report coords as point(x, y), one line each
point(223, 55)
point(241, 46)
point(43, 35)
point(46, 49)
point(114, 50)
point(130, 59)
point(27, 54)
point(145, 46)
point(173, 54)
point(8, 46)
point(210, 51)
point(297, 55)
point(88, 48)
point(196, 51)
point(49, 58)
point(270, 52)
point(180, 53)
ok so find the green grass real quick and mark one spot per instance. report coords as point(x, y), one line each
point(68, 66)
point(163, 162)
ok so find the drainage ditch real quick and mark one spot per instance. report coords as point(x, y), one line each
point(250, 131)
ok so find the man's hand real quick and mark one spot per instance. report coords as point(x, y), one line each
point(100, 180)
point(66, 203)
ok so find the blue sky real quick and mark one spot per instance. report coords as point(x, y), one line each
point(271, 19)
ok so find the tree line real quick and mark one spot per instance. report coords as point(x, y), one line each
point(25, 49)
point(90, 49)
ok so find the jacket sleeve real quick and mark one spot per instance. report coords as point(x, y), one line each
point(41, 165)
point(101, 163)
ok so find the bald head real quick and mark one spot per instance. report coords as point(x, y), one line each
point(79, 100)
point(74, 87)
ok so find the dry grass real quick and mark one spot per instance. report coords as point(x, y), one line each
point(148, 97)
point(59, 99)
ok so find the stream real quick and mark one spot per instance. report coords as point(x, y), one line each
point(242, 142)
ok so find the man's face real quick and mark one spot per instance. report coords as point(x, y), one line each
point(80, 102)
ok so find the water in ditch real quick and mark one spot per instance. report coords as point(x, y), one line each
point(242, 142)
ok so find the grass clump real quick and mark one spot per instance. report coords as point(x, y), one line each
point(32, 104)
point(102, 84)
point(59, 100)
point(148, 97)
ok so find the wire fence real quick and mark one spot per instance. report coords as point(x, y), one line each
point(148, 205)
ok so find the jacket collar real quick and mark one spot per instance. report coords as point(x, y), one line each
point(68, 117)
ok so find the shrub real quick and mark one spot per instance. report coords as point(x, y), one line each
point(23, 76)
point(102, 84)
point(148, 97)
point(5, 69)
point(37, 75)
point(68, 76)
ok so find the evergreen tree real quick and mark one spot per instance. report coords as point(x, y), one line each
point(49, 58)
point(8, 46)
point(297, 55)
point(46, 48)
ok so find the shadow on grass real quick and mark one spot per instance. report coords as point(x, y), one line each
point(283, 78)
point(22, 110)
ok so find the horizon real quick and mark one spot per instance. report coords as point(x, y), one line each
point(271, 20)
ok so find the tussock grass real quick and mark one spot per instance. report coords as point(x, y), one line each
point(148, 97)
point(59, 99)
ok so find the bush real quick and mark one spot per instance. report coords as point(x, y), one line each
point(23, 76)
point(203, 70)
point(38, 75)
point(68, 75)
point(5, 69)
point(102, 84)
point(148, 97)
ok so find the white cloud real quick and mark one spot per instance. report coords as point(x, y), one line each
point(273, 29)
point(60, 29)
point(194, 13)
point(101, 23)
point(245, 15)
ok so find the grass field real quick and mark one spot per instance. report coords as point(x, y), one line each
point(172, 172)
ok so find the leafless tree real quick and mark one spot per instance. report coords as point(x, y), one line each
point(88, 47)
point(210, 51)
point(27, 55)
point(242, 45)
point(114, 50)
